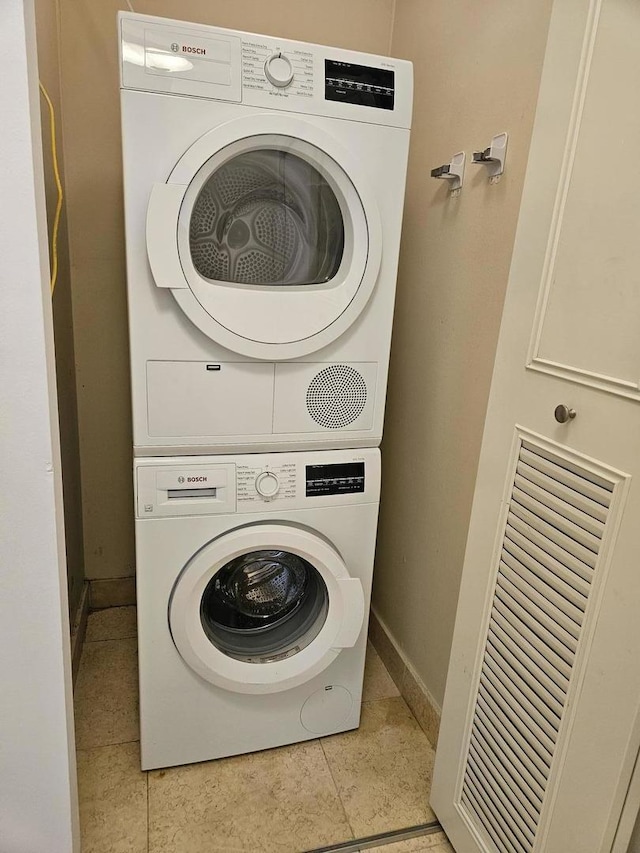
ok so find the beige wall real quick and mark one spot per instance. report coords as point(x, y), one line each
point(477, 69)
point(92, 153)
point(49, 71)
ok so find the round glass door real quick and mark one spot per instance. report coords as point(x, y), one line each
point(268, 236)
point(267, 217)
point(264, 605)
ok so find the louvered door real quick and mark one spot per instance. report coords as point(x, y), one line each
point(556, 520)
point(540, 725)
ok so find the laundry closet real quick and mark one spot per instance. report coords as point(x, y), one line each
point(283, 253)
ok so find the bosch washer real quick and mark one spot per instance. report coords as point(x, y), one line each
point(254, 580)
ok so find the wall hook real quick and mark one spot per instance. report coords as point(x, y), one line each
point(493, 157)
point(453, 171)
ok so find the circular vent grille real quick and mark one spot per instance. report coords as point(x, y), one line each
point(336, 396)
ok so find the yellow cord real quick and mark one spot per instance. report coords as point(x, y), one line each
point(56, 172)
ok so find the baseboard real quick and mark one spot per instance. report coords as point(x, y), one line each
point(112, 592)
point(411, 687)
point(79, 629)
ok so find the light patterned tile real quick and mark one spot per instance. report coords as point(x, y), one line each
point(114, 623)
point(106, 695)
point(378, 684)
point(435, 843)
point(383, 769)
point(112, 791)
point(281, 801)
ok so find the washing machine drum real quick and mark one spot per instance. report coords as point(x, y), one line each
point(264, 603)
point(267, 218)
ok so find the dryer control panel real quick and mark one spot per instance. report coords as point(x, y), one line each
point(281, 72)
point(182, 58)
point(349, 83)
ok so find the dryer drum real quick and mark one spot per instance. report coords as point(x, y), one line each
point(267, 217)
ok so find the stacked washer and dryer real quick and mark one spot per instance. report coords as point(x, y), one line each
point(263, 187)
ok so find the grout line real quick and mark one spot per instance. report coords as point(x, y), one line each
point(382, 699)
point(106, 746)
point(335, 785)
point(112, 639)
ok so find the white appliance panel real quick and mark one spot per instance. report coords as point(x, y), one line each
point(187, 398)
point(185, 717)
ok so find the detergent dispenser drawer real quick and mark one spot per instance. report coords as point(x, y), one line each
point(188, 489)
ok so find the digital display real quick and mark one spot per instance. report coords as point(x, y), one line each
point(340, 479)
point(359, 84)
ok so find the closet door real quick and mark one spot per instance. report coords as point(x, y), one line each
point(540, 722)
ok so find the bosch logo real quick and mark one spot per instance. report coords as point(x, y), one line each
point(196, 479)
point(201, 51)
point(175, 47)
point(181, 479)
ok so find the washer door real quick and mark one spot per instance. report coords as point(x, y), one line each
point(267, 235)
point(264, 608)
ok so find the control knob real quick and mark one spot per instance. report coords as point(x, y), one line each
point(267, 485)
point(278, 70)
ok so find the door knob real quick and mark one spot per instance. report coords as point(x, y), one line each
point(563, 414)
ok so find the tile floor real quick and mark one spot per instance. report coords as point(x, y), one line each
point(284, 800)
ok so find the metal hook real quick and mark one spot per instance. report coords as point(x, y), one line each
point(453, 171)
point(493, 157)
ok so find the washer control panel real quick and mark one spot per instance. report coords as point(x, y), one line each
point(341, 478)
point(267, 484)
point(255, 483)
point(260, 483)
point(275, 70)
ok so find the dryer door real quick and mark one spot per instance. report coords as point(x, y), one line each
point(268, 236)
point(264, 608)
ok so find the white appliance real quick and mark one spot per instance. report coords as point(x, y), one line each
point(254, 579)
point(263, 188)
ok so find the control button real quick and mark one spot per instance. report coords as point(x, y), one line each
point(267, 485)
point(278, 70)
